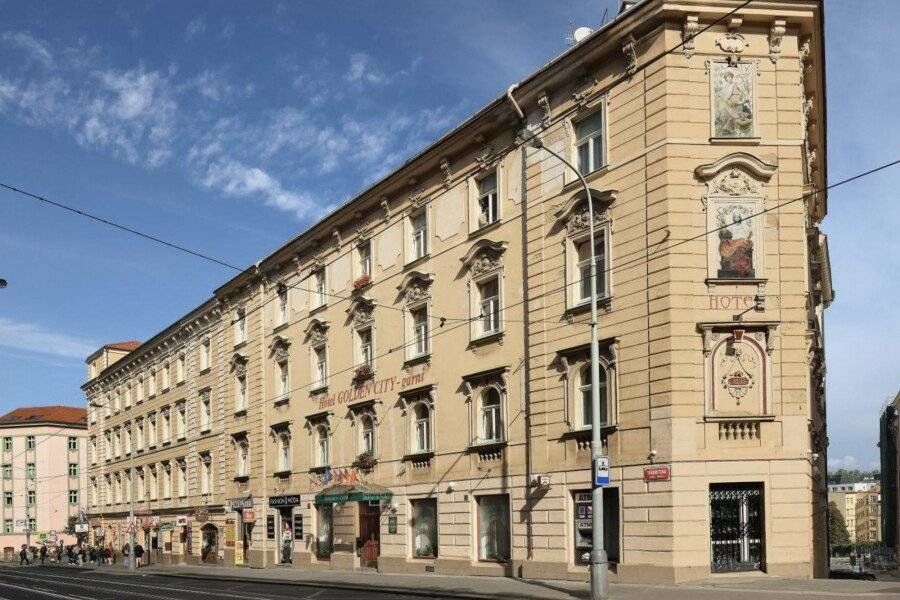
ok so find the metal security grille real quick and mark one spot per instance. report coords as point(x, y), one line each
point(736, 531)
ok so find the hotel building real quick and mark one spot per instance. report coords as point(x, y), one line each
point(404, 384)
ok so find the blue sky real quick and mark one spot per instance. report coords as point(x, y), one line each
point(227, 126)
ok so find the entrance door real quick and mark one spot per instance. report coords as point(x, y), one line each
point(736, 527)
point(209, 549)
point(286, 536)
point(369, 533)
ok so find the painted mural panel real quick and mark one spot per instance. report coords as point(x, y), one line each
point(735, 252)
point(733, 99)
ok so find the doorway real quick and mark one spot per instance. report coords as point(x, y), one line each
point(209, 549)
point(736, 527)
point(369, 533)
point(286, 539)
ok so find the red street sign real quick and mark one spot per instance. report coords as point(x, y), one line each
point(657, 473)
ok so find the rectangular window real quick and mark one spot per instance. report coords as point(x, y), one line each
point(139, 437)
point(424, 528)
point(7, 444)
point(240, 327)
point(204, 355)
point(30, 471)
point(31, 497)
point(166, 426)
point(583, 271)
point(205, 473)
point(365, 259)
point(243, 458)
point(128, 441)
point(419, 226)
point(167, 481)
point(589, 143)
point(284, 454)
point(420, 331)
point(128, 396)
point(240, 401)
point(488, 202)
point(93, 450)
point(324, 529)
point(166, 376)
point(180, 368)
point(7, 498)
point(321, 367)
point(7, 525)
point(181, 423)
point(141, 492)
point(284, 382)
point(282, 316)
point(493, 528)
point(7, 471)
point(29, 442)
point(151, 384)
point(366, 353)
point(320, 295)
point(182, 479)
point(73, 443)
point(139, 392)
point(73, 469)
point(489, 305)
point(205, 413)
point(73, 496)
point(151, 431)
point(32, 524)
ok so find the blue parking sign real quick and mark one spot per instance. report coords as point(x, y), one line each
point(601, 470)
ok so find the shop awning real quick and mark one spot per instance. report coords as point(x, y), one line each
point(359, 492)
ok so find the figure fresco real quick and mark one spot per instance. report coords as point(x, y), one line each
point(733, 99)
point(735, 242)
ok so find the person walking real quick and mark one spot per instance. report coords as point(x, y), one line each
point(138, 554)
point(43, 553)
point(23, 555)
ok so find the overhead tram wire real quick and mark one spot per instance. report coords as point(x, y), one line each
point(842, 182)
point(203, 256)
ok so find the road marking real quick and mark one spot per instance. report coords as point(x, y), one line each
point(218, 594)
point(36, 591)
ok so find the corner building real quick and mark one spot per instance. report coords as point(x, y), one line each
point(403, 385)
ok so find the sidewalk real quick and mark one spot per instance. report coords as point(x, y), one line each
point(479, 588)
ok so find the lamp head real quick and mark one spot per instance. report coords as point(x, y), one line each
point(529, 138)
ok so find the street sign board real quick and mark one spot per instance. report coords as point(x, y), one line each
point(81, 527)
point(601, 470)
point(662, 473)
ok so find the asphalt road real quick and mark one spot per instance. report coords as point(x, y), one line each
point(71, 583)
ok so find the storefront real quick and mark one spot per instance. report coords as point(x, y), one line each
point(284, 527)
point(365, 500)
point(244, 522)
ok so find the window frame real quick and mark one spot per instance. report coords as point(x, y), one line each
point(574, 299)
point(498, 420)
point(322, 447)
point(319, 356)
point(599, 108)
point(413, 351)
point(428, 422)
point(479, 532)
point(481, 194)
point(435, 539)
point(419, 246)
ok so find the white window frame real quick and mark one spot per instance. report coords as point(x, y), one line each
point(322, 447)
point(180, 368)
point(478, 302)
point(166, 425)
point(364, 258)
point(319, 296)
point(151, 384)
point(240, 327)
point(283, 371)
point(154, 484)
point(491, 198)
point(319, 356)
point(166, 376)
point(167, 480)
point(368, 436)
point(205, 474)
point(285, 450)
point(205, 412)
point(181, 420)
point(574, 279)
point(418, 344)
point(152, 433)
point(497, 416)
point(282, 308)
point(417, 424)
point(182, 478)
point(205, 354)
point(590, 141)
point(242, 458)
point(365, 352)
point(240, 393)
point(418, 235)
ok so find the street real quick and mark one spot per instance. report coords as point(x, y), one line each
point(41, 583)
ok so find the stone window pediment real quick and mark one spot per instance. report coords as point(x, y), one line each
point(737, 174)
point(239, 364)
point(416, 287)
point(316, 332)
point(361, 312)
point(318, 419)
point(574, 213)
point(279, 348)
point(484, 257)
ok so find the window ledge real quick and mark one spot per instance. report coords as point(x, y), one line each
point(240, 344)
point(487, 338)
point(319, 468)
point(742, 418)
point(282, 399)
point(487, 445)
point(139, 451)
point(415, 360)
point(167, 443)
point(205, 371)
point(746, 141)
point(585, 430)
point(281, 327)
point(151, 447)
point(318, 390)
point(713, 281)
point(284, 473)
point(585, 306)
point(575, 184)
point(318, 309)
point(485, 228)
point(241, 478)
point(181, 438)
point(240, 412)
point(417, 261)
point(418, 455)
point(180, 383)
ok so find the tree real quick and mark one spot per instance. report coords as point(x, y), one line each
point(837, 528)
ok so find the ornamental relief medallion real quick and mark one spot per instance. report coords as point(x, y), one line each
point(737, 367)
point(363, 315)
point(485, 262)
point(734, 182)
point(580, 220)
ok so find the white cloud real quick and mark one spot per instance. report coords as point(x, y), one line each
point(36, 49)
point(196, 27)
point(33, 338)
point(228, 30)
point(361, 71)
point(842, 462)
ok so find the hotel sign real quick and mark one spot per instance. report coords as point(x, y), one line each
point(371, 389)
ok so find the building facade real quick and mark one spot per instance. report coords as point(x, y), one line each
point(846, 496)
point(868, 517)
point(44, 459)
point(890, 475)
point(404, 384)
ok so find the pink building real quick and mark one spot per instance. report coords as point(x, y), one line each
point(43, 452)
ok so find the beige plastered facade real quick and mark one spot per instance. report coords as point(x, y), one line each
point(667, 328)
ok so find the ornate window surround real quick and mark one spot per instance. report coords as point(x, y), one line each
point(474, 386)
point(316, 334)
point(589, 106)
point(574, 217)
point(312, 425)
point(279, 350)
point(407, 402)
point(356, 411)
point(483, 262)
point(495, 166)
point(738, 178)
point(570, 362)
point(415, 289)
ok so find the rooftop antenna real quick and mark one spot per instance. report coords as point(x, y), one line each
point(603, 20)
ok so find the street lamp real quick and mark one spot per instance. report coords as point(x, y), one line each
point(599, 561)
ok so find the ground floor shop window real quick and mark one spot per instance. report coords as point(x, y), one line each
point(583, 521)
point(324, 530)
point(493, 527)
point(209, 549)
point(424, 528)
point(287, 537)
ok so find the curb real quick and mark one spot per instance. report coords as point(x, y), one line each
point(422, 593)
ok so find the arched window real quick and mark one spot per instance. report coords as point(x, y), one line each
point(422, 428)
point(284, 454)
point(322, 445)
point(585, 389)
point(491, 416)
point(368, 434)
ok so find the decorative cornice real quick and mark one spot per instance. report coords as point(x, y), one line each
point(630, 53)
point(748, 163)
point(415, 286)
point(776, 34)
point(446, 173)
point(688, 34)
point(483, 257)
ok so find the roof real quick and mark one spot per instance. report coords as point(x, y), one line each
point(126, 346)
point(41, 415)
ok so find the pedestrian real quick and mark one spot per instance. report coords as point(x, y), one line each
point(112, 554)
point(43, 553)
point(23, 555)
point(138, 554)
point(126, 552)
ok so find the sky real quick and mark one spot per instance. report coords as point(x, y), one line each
point(229, 127)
